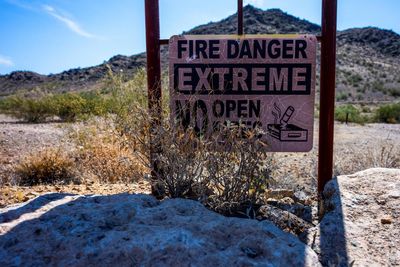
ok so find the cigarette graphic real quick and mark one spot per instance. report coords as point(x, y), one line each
point(286, 117)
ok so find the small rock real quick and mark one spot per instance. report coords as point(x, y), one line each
point(279, 193)
point(272, 201)
point(283, 219)
point(287, 200)
point(381, 201)
point(394, 194)
point(34, 194)
point(386, 220)
point(301, 197)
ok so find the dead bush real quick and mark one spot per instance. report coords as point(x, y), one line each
point(230, 166)
point(181, 161)
point(49, 166)
point(238, 168)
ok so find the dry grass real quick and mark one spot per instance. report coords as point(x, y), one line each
point(353, 159)
point(49, 166)
point(102, 155)
point(97, 154)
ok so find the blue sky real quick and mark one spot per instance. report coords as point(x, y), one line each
point(49, 36)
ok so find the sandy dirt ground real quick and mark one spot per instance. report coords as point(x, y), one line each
point(293, 170)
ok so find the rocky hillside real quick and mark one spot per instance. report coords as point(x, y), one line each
point(258, 21)
point(71, 80)
point(368, 59)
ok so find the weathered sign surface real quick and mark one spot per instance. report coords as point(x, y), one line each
point(265, 81)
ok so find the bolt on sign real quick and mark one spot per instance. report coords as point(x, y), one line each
point(265, 81)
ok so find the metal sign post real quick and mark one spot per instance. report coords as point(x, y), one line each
point(240, 17)
point(327, 82)
point(327, 92)
point(153, 76)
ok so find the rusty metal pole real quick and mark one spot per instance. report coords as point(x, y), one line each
point(153, 76)
point(240, 17)
point(327, 92)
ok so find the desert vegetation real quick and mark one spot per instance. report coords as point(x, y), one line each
point(66, 107)
point(72, 107)
point(108, 141)
point(361, 113)
point(46, 167)
point(351, 160)
point(388, 113)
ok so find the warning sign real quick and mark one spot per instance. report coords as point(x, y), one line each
point(265, 81)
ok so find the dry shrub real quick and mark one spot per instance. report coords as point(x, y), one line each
point(231, 166)
point(180, 161)
point(238, 168)
point(233, 171)
point(49, 166)
point(384, 154)
point(109, 163)
point(7, 176)
point(103, 156)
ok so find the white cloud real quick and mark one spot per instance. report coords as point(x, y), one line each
point(5, 61)
point(71, 24)
point(21, 4)
point(255, 2)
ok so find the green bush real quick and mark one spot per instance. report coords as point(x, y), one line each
point(115, 98)
point(395, 92)
point(355, 79)
point(28, 109)
point(351, 113)
point(95, 103)
point(68, 106)
point(341, 96)
point(388, 113)
point(378, 86)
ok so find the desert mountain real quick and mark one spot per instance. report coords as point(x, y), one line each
point(368, 59)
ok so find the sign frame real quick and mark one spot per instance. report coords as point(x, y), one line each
point(257, 81)
point(327, 81)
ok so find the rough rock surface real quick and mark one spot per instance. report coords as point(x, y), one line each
point(138, 230)
point(283, 219)
point(362, 223)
